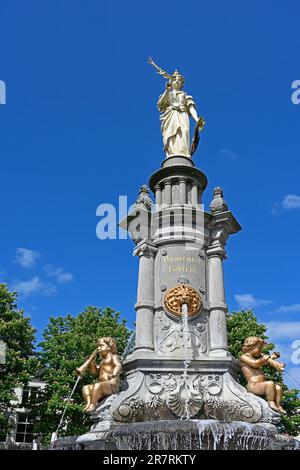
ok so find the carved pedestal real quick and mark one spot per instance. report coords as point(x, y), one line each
point(155, 392)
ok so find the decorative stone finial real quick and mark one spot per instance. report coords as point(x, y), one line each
point(144, 197)
point(218, 204)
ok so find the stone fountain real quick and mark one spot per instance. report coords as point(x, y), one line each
point(180, 389)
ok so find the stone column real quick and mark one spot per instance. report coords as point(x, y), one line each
point(158, 195)
point(194, 194)
point(216, 294)
point(145, 296)
point(182, 191)
point(168, 193)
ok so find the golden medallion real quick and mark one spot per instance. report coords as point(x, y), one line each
point(183, 294)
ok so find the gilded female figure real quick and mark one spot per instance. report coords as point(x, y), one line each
point(176, 107)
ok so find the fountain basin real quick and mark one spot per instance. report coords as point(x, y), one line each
point(200, 435)
point(192, 434)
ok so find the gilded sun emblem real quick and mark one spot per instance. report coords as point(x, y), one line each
point(183, 294)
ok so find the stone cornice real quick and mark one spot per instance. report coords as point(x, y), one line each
point(227, 221)
point(191, 173)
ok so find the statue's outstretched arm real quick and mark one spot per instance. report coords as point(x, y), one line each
point(279, 366)
point(255, 363)
point(163, 101)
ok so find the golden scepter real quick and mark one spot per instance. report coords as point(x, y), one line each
point(159, 70)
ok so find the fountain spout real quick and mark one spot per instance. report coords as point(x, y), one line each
point(187, 359)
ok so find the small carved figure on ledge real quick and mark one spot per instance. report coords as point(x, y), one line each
point(218, 203)
point(251, 363)
point(144, 197)
point(108, 372)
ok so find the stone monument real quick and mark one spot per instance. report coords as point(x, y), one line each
point(179, 376)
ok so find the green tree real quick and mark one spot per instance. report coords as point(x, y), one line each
point(239, 326)
point(68, 341)
point(20, 363)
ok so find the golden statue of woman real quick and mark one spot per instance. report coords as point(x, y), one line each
point(176, 107)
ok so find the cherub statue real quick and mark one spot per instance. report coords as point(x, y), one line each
point(251, 363)
point(176, 107)
point(108, 372)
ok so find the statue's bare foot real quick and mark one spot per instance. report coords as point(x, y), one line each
point(273, 405)
point(85, 408)
point(90, 408)
point(282, 410)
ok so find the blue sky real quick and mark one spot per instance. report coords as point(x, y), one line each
point(80, 127)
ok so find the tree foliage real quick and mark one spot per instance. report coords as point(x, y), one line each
point(68, 342)
point(242, 324)
point(20, 363)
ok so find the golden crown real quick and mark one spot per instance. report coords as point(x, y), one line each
point(177, 74)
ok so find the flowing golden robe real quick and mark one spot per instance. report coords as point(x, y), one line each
point(175, 123)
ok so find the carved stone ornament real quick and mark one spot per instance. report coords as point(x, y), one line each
point(168, 334)
point(144, 198)
point(183, 294)
point(157, 395)
point(218, 204)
